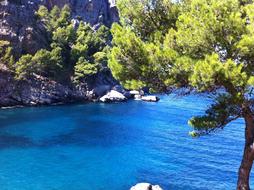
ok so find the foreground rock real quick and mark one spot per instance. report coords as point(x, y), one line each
point(146, 186)
point(150, 98)
point(113, 96)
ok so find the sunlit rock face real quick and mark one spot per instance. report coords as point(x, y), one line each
point(19, 25)
point(92, 11)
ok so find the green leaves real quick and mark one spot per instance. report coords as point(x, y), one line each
point(135, 63)
point(83, 68)
point(147, 16)
point(224, 110)
point(88, 51)
point(55, 18)
point(206, 45)
point(212, 73)
point(208, 26)
point(44, 63)
point(79, 52)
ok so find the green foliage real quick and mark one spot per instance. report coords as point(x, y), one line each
point(4, 43)
point(128, 57)
point(44, 63)
point(135, 61)
point(206, 25)
point(24, 67)
point(147, 16)
point(100, 57)
point(64, 36)
point(8, 57)
point(224, 110)
point(84, 68)
point(205, 45)
point(80, 52)
point(89, 42)
point(6, 54)
point(55, 18)
point(88, 50)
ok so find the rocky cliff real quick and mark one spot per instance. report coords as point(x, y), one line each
point(39, 90)
point(19, 26)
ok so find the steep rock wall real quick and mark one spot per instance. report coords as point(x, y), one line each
point(19, 25)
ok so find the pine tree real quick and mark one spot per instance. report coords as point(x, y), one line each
point(208, 47)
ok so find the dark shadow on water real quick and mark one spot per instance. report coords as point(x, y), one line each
point(92, 134)
point(101, 133)
point(10, 141)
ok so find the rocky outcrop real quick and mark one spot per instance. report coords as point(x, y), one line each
point(150, 98)
point(92, 11)
point(146, 186)
point(113, 96)
point(19, 25)
point(42, 91)
point(36, 91)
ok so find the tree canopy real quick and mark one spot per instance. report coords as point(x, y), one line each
point(202, 45)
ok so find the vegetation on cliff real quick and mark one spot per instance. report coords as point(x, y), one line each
point(205, 45)
point(75, 49)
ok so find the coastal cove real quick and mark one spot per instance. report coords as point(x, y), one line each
point(114, 146)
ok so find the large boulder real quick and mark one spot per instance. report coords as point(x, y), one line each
point(123, 91)
point(150, 98)
point(113, 96)
point(100, 90)
point(134, 92)
point(146, 186)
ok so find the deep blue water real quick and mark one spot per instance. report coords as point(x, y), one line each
point(114, 146)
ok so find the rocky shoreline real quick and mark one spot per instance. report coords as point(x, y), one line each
point(39, 90)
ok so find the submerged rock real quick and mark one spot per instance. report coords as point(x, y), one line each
point(113, 96)
point(150, 98)
point(146, 186)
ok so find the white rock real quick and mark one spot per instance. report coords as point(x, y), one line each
point(150, 98)
point(137, 97)
point(146, 186)
point(113, 96)
point(134, 92)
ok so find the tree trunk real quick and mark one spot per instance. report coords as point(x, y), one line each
point(248, 155)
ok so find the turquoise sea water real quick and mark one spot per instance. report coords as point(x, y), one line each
point(114, 146)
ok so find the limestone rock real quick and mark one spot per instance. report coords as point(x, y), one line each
point(19, 25)
point(137, 97)
point(113, 96)
point(125, 92)
point(35, 91)
point(150, 98)
point(134, 92)
point(146, 186)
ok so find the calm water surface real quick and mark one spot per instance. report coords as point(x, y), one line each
point(113, 146)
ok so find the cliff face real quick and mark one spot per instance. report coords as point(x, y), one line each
point(19, 25)
point(39, 90)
